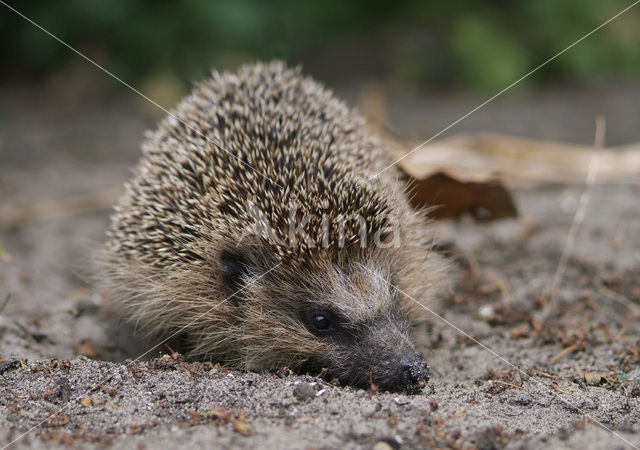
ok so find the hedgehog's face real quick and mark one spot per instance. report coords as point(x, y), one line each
point(377, 351)
point(347, 317)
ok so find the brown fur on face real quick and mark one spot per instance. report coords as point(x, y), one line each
point(179, 257)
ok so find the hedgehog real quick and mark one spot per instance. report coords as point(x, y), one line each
point(265, 224)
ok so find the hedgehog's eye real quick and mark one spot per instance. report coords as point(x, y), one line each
point(323, 322)
point(233, 265)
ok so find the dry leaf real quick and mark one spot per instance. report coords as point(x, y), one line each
point(452, 194)
point(520, 162)
point(453, 198)
point(465, 173)
point(86, 348)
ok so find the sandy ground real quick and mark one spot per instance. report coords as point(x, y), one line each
point(563, 373)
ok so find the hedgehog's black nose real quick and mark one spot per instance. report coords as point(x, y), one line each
point(414, 371)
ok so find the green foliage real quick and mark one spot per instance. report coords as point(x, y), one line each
point(486, 53)
point(478, 44)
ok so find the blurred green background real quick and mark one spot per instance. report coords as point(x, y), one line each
point(470, 44)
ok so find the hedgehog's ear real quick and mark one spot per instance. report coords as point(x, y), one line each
point(234, 265)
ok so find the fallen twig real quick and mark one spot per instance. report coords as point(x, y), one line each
point(563, 352)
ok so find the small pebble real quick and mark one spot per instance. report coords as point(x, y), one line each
point(382, 446)
point(486, 311)
point(368, 410)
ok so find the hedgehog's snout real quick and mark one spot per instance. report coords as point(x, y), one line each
point(404, 371)
point(383, 355)
point(408, 372)
point(413, 372)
